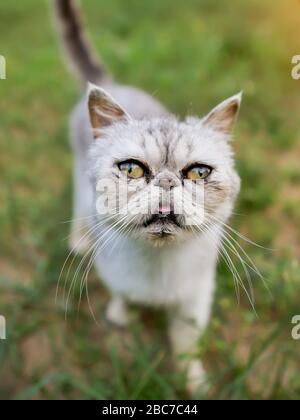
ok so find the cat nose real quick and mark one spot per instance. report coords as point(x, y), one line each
point(166, 183)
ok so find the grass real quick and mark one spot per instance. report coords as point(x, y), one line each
point(191, 55)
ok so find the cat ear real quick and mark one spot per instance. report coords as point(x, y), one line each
point(224, 115)
point(103, 109)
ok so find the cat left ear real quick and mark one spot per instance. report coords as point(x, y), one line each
point(103, 109)
point(223, 116)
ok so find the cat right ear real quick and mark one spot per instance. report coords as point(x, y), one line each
point(103, 109)
point(223, 116)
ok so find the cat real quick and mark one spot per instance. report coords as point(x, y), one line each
point(155, 255)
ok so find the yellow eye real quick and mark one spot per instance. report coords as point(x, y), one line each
point(198, 172)
point(132, 169)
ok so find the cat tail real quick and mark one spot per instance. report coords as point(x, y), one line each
point(81, 56)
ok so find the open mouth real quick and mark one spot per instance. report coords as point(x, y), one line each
point(163, 220)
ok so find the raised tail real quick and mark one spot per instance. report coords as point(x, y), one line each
point(82, 58)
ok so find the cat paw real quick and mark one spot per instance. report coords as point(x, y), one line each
point(196, 378)
point(117, 312)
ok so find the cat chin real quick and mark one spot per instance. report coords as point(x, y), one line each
point(163, 239)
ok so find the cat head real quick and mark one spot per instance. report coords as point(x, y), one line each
point(162, 179)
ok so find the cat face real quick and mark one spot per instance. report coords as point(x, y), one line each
point(162, 179)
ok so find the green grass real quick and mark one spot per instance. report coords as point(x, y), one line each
point(190, 55)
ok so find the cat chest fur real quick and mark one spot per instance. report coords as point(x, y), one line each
point(156, 276)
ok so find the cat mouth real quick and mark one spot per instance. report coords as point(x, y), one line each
point(163, 223)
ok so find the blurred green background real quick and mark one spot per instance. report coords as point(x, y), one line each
point(190, 55)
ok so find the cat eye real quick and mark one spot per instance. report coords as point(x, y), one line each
point(197, 172)
point(132, 169)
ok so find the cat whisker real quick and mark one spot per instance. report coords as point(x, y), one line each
point(98, 248)
point(225, 256)
point(89, 232)
point(83, 259)
point(250, 264)
point(242, 261)
point(240, 235)
point(236, 275)
point(227, 243)
point(78, 219)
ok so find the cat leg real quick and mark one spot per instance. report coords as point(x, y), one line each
point(80, 237)
point(117, 312)
point(186, 326)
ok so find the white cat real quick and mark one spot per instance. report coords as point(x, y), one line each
point(154, 257)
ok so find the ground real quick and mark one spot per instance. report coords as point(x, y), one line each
point(190, 55)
